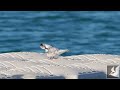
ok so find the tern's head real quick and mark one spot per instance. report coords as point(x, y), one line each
point(45, 46)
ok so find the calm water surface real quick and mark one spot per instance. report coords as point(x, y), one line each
point(82, 32)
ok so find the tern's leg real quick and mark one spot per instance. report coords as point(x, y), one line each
point(53, 57)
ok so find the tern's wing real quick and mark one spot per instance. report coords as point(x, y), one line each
point(117, 68)
point(62, 51)
point(112, 69)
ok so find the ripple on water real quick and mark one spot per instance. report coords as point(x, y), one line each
point(80, 31)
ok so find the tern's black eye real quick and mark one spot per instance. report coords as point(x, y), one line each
point(41, 44)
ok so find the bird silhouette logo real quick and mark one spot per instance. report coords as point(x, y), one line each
point(113, 71)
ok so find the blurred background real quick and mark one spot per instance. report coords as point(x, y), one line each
point(82, 32)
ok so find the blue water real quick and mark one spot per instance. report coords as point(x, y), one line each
point(82, 32)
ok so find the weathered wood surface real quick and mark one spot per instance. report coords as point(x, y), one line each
point(28, 65)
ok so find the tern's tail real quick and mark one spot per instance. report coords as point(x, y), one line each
point(62, 51)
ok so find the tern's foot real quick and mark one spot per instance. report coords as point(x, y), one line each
point(53, 57)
